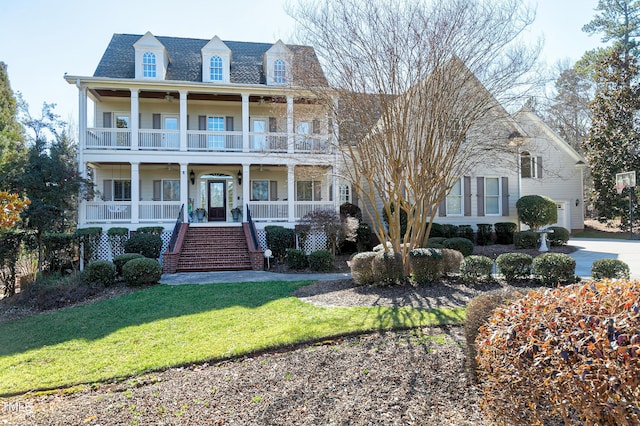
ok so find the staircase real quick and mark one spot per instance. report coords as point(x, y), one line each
point(214, 249)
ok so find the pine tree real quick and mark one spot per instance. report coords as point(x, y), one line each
point(10, 129)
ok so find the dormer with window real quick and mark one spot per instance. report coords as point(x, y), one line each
point(216, 61)
point(152, 58)
point(277, 65)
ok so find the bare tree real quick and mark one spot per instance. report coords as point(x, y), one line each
point(418, 92)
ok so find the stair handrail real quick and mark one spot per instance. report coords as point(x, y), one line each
point(252, 227)
point(176, 229)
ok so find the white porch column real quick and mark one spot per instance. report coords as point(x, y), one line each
point(246, 186)
point(82, 140)
point(335, 196)
point(184, 186)
point(135, 119)
point(290, 135)
point(183, 120)
point(245, 124)
point(135, 192)
point(291, 205)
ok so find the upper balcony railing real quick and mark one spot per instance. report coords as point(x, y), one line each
point(205, 141)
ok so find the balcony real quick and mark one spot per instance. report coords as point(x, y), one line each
point(120, 211)
point(279, 210)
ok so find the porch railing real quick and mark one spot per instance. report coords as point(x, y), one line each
point(252, 227)
point(108, 211)
point(315, 144)
point(214, 141)
point(268, 142)
point(269, 210)
point(158, 210)
point(176, 229)
point(159, 139)
point(304, 207)
point(112, 138)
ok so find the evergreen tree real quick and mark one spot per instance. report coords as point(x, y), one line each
point(10, 129)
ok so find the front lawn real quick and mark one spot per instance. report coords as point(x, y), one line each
point(167, 326)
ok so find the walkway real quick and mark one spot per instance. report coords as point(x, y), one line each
point(245, 276)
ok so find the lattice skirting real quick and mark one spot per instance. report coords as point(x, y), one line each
point(104, 251)
point(315, 241)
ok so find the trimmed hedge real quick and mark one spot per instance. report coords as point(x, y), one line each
point(157, 230)
point(121, 260)
point(484, 235)
point(149, 245)
point(559, 236)
point(514, 265)
point(426, 265)
point(436, 231)
point(362, 268)
point(143, 271)
point(451, 261)
point(279, 239)
point(466, 231)
point(297, 259)
point(504, 232)
point(450, 231)
point(387, 268)
point(463, 245)
point(526, 239)
point(554, 268)
point(100, 273)
point(609, 268)
point(537, 211)
point(435, 240)
point(321, 260)
point(476, 268)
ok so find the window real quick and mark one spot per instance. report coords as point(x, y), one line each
point(345, 194)
point(171, 190)
point(215, 124)
point(308, 190)
point(454, 199)
point(121, 190)
point(279, 71)
point(264, 190)
point(215, 68)
point(492, 195)
point(149, 65)
point(528, 165)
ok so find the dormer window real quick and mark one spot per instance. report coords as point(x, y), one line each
point(149, 65)
point(279, 71)
point(215, 68)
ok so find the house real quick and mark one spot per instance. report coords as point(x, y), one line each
point(206, 134)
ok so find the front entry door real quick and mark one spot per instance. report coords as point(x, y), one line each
point(217, 200)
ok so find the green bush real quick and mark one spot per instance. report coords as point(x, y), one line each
point(403, 218)
point(10, 250)
point(463, 245)
point(362, 268)
point(363, 238)
point(475, 268)
point(101, 273)
point(537, 211)
point(466, 231)
point(504, 232)
point(157, 230)
point(59, 251)
point(479, 310)
point(484, 234)
point(569, 353)
point(514, 265)
point(117, 237)
point(143, 271)
point(426, 265)
point(55, 291)
point(526, 239)
point(387, 268)
point(279, 239)
point(119, 261)
point(348, 209)
point(451, 261)
point(297, 259)
point(450, 231)
point(435, 240)
point(609, 268)
point(436, 231)
point(380, 247)
point(321, 260)
point(148, 245)
point(553, 268)
point(559, 236)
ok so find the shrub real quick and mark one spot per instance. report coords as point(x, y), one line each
point(363, 238)
point(569, 353)
point(435, 240)
point(157, 230)
point(537, 211)
point(387, 268)
point(55, 291)
point(403, 218)
point(514, 265)
point(479, 310)
point(143, 271)
point(466, 231)
point(59, 251)
point(120, 261)
point(100, 273)
point(436, 231)
point(362, 268)
point(380, 247)
point(297, 259)
point(321, 260)
point(451, 261)
point(450, 231)
point(463, 245)
point(484, 234)
point(553, 268)
point(117, 237)
point(10, 250)
point(348, 209)
point(89, 238)
point(609, 268)
point(526, 239)
point(559, 236)
point(426, 264)
point(148, 245)
point(474, 268)
point(504, 232)
point(279, 239)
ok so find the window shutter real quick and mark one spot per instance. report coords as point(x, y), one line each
point(273, 190)
point(315, 127)
point(156, 121)
point(273, 124)
point(106, 120)
point(505, 196)
point(157, 188)
point(467, 195)
point(188, 123)
point(354, 196)
point(202, 122)
point(480, 196)
point(107, 192)
point(442, 208)
point(539, 166)
point(229, 124)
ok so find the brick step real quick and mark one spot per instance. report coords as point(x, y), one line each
point(214, 249)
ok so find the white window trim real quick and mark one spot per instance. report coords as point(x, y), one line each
point(313, 184)
point(345, 193)
point(280, 73)
point(268, 189)
point(147, 54)
point(222, 65)
point(461, 201)
point(498, 196)
point(533, 164)
point(113, 189)
point(162, 181)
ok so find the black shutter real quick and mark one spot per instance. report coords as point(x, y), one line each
point(107, 192)
point(157, 190)
point(106, 120)
point(229, 124)
point(354, 196)
point(505, 196)
point(442, 208)
point(467, 195)
point(156, 121)
point(202, 122)
point(273, 190)
point(539, 166)
point(480, 196)
point(188, 123)
point(315, 127)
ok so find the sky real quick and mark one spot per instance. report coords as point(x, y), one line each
point(41, 40)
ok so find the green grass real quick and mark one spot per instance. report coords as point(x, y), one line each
point(599, 234)
point(167, 326)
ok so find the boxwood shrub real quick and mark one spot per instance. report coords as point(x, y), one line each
point(100, 273)
point(119, 261)
point(559, 236)
point(387, 268)
point(426, 265)
point(279, 239)
point(484, 234)
point(476, 268)
point(435, 242)
point(609, 268)
point(157, 230)
point(142, 271)
point(554, 268)
point(362, 268)
point(451, 261)
point(450, 231)
point(321, 260)
point(466, 231)
point(297, 259)
point(463, 245)
point(526, 239)
point(436, 231)
point(504, 232)
point(148, 245)
point(514, 265)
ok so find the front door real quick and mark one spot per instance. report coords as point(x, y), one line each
point(172, 139)
point(217, 200)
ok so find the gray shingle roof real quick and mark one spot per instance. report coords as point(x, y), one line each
point(185, 60)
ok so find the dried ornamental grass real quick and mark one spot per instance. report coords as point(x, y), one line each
point(569, 353)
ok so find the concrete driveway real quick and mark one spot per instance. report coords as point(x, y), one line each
point(590, 249)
